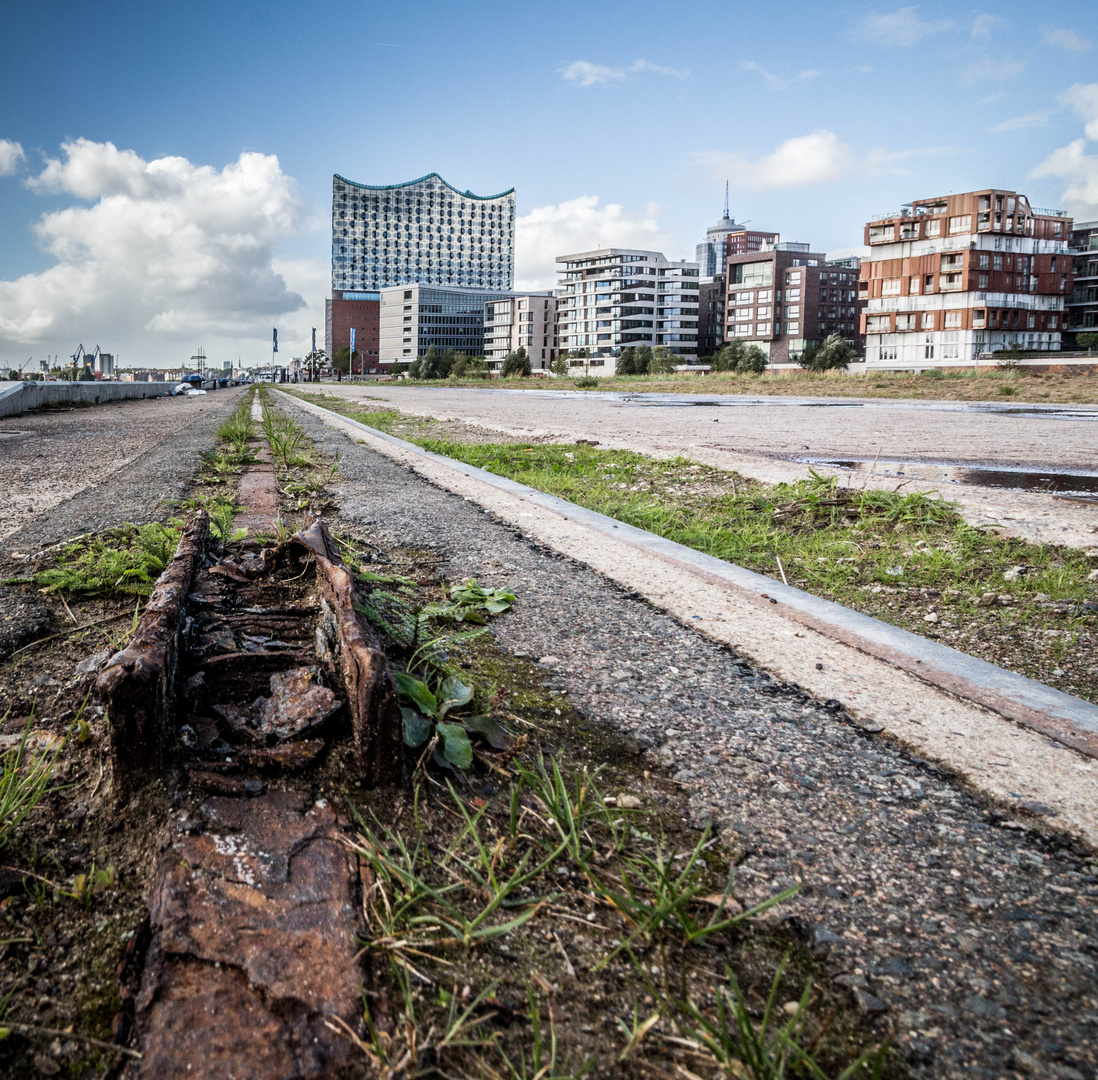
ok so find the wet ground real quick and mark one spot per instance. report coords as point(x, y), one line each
point(779, 439)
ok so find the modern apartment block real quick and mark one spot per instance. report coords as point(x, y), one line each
point(953, 277)
point(1083, 306)
point(728, 237)
point(613, 297)
point(526, 320)
point(787, 297)
point(415, 317)
point(711, 305)
point(421, 232)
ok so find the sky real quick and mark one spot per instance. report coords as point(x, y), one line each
point(165, 170)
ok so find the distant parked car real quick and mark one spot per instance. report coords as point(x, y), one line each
point(180, 388)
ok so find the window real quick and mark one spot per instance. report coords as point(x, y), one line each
point(979, 317)
point(912, 287)
point(952, 318)
point(762, 329)
point(891, 287)
point(888, 352)
point(764, 297)
point(882, 234)
point(982, 281)
point(792, 328)
point(997, 263)
point(928, 283)
point(793, 311)
point(933, 228)
point(928, 320)
point(983, 262)
point(762, 313)
point(905, 322)
point(795, 294)
point(878, 324)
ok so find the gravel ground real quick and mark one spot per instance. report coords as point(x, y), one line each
point(971, 937)
point(72, 472)
point(757, 439)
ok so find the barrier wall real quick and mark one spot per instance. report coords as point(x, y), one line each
point(19, 397)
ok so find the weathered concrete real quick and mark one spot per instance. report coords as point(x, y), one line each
point(818, 651)
point(21, 397)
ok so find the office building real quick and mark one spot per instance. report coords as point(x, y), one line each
point(1082, 308)
point(613, 297)
point(415, 317)
point(422, 232)
point(787, 297)
point(726, 238)
point(527, 321)
point(952, 277)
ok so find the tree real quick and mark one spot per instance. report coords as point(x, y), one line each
point(516, 365)
point(314, 362)
point(436, 364)
point(627, 361)
point(834, 353)
point(559, 365)
point(459, 366)
point(1087, 340)
point(642, 362)
point(341, 362)
point(663, 361)
point(739, 357)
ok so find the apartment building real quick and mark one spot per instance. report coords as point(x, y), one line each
point(953, 277)
point(728, 237)
point(527, 321)
point(711, 301)
point(613, 297)
point(1082, 308)
point(787, 297)
point(415, 317)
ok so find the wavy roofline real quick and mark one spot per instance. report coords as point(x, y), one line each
point(410, 183)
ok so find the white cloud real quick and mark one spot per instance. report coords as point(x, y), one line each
point(1016, 123)
point(806, 160)
point(1072, 164)
point(993, 69)
point(982, 25)
point(167, 253)
point(1083, 99)
point(579, 225)
point(901, 27)
point(11, 154)
point(1064, 39)
point(584, 73)
point(776, 82)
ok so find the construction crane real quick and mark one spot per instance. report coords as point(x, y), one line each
point(83, 359)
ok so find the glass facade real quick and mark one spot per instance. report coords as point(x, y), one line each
point(425, 232)
point(419, 316)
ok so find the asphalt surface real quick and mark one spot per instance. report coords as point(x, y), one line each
point(762, 438)
point(68, 472)
point(969, 936)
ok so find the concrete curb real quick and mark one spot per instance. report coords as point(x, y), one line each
point(1070, 720)
point(23, 396)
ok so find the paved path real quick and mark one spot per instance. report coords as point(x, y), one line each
point(973, 931)
point(73, 471)
point(759, 436)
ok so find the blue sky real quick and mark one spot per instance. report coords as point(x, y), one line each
point(615, 126)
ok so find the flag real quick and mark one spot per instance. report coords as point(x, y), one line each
point(352, 341)
point(314, 339)
point(275, 348)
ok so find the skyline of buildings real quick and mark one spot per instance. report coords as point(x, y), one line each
point(947, 279)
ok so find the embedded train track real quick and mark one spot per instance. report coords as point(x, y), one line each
point(249, 678)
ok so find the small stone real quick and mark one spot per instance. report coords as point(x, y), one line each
point(629, 802)
point(1044, 598)
point(931, 617)
point(827, 937)
point(549, 661)
point(791, 1008)
point(46, 1066)
point(1014, 573)
point(93, 663)
point(896, 966)
point(1093, 575)
point(987, 600)
point(984, 1008)
point(1005, 599)
point(851, 981)
point(868, 1002)
point(1038, 808)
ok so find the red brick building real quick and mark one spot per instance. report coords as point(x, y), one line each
point(361, 310)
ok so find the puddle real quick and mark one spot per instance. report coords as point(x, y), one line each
point(1073, 485)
